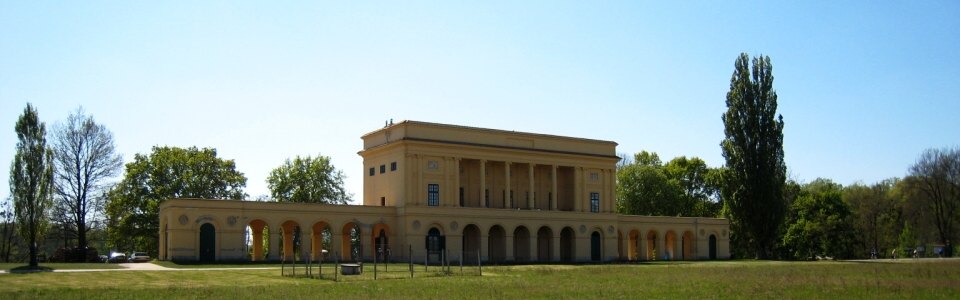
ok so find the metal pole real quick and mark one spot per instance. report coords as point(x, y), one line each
point(374, 266)
point(336, 266)
point(410, 260)
point(479, 265)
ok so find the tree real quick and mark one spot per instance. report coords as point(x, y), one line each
point(876, 214)
point(936, 175)
point(646, 190)
point(753, 150)
point(168, 172)
point(31, 178)
point(698, 183)
point(85, 158)
point(819, 223)
point(8, 238)
point(308, 180)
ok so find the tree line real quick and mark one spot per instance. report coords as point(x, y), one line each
point(773, 217)
point(67, 190)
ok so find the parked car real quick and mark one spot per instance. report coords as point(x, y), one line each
point(117, 257)
point(138, 257)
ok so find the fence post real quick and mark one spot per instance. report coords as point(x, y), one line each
point(461, 265)
point(479, 265)
point(374, 266)
point(336, 266)
point(410, 260)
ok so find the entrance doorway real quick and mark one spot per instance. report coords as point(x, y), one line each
point(208, 242)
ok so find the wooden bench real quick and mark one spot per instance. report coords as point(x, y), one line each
point(350, 269)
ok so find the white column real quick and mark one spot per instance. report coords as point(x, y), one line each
point(533, 195)
point(507, 201)
point(553, 188)
point(483, 183)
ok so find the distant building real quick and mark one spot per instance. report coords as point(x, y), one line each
point(467, 193)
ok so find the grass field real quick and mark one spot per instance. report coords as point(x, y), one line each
point(925, 279)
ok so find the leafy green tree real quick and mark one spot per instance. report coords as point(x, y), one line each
point(876, 215)
point(819, 223)
point(646, 190)
point(699, 186)
point(936, 175)
point(168, 172)
point(31, 179)
point(308, 180)
point(85, 158)
point(753, 149)
point(645, 158)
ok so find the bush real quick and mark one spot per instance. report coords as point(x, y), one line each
point(75, 255)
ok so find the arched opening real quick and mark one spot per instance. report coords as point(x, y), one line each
point(291, 240)
point(521, 244)
point(471, 244)
point(651, 245)
point(687, 245)
point(670, 245)
point(713, 247)
point(596, 249)
point(633, 245)
point(259, 239)
point(435, 243)
point(544, 244)
point(497, 244)
point(381, 241)
point(567, 245)
point(350, 242)
point(319, 240)
point(208, 243)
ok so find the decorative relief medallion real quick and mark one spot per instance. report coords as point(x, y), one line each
point(724, 233)
point(433, 165)
point(454, 226)
point(416, 225)
point(583, 229)
point(610, 229)
point(702, 232)
point(183, 220)
point(232, 220)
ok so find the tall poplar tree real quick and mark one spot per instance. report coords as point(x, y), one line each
point(753, 149)
point(31, 178)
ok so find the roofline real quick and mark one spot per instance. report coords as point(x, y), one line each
point(488, 130)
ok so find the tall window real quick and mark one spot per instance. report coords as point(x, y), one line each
point(383, 169)
point(461, 196)
point(486, 198)
point(594, 202)
point(393, 166)
point(433, 194)
point(372, 171)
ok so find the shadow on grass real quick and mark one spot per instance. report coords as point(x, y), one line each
point(29, 269)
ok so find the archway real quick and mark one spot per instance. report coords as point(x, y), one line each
point(568, 245)
point(350, 242)
point(521, 244)
point(497, 244)
point(471, 244)
point(435, 243)
point(256, 230)
point(713, 247)
point(291, 240)
point(320, 236)
point(633, 249)
point(687, 245)
point(208, 242)
point(381, 240)
point(544, 244)
point(651, 245)
point(596, 249)
point(670, 245)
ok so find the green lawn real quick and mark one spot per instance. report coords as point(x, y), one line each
point(732, 279)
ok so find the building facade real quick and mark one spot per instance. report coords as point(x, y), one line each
point(435, 191)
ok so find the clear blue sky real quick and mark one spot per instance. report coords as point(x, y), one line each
point(864, 87)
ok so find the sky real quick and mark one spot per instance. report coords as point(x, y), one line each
point(864, 87)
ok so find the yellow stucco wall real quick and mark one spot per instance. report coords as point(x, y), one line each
point(548, 219)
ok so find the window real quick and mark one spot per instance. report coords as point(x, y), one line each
point(383, 169)
point(383, 201)
point(594, 202)
point(372, 171)
point(594, 176)
point(393, 166)
point(433, 194)
point(461, 196)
